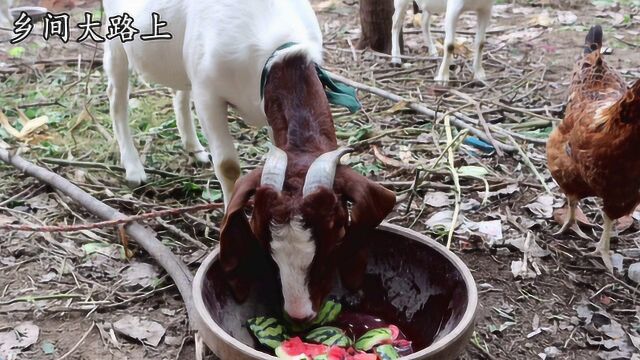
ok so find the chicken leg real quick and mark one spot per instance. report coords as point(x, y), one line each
point(570, 220)
point(602, 247)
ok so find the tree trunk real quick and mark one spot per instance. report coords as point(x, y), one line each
point(376, 19)
point(416, 9)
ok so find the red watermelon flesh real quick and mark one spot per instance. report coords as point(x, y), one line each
point(295, 346)
point(394, 332)
point(364, 357)
point(337, 353)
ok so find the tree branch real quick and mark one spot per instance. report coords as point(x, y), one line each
point(176, 269)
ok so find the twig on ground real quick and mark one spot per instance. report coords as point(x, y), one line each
point(528, 162)
point(181, 234)
point(176, 269)
point(112, 223)
point(456, 180)
point(455, 120)
point(77, 345)
point(481, 118)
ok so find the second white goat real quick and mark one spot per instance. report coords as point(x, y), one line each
point(453, 10)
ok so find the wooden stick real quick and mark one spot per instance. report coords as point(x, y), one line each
point(420, 108)
point(77, 345)
point(112, 223)
point(481, 118)
point(456, 180)
point(176, 269)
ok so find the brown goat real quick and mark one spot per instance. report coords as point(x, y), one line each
point(300, 214)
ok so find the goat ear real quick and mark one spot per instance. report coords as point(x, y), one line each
point(372, 202)
point(238, 244)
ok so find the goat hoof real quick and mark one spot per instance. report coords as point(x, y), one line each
point(136, 178)
point(202, 157)
point(432, 51)
point(396, 64)
point(442, 81)
point(480, 76)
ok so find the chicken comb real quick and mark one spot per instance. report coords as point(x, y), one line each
point(593, 40)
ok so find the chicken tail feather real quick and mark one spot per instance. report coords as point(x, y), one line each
point(594, 38)
point(627, 109)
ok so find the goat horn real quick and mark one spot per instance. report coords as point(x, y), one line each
point(322, 171)
point(274, 168)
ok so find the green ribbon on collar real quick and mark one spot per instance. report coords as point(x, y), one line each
point(338, 94)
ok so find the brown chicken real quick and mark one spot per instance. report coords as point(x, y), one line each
point(595, 151)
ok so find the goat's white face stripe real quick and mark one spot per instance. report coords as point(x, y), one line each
point(293, 249)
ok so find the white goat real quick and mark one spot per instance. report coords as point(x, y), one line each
point(453, 9)
point(216, 57)
point(6, 20)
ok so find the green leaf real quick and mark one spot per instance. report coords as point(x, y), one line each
point(93, 248)
point(474, 171)
point(211, 195)
point(16, 52)
point(48, 348)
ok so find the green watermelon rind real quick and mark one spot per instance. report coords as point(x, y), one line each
point(268, 331)
point(327, 314)
point(282, 354)
point(330, 336)
point(372, 338)
point(387, 352)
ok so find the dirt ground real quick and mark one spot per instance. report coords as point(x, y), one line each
point(77, 290)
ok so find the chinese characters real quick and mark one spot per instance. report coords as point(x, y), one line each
point(120, 26)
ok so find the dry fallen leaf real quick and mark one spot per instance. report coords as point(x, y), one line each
point(141, 274)
point(15, 340)
point(149, 332)
point(543, 19)
point(28, 126)
point(624, 223)
point(325, 5)
point(58, 5)
point(441, 221)
point(387, 160)
point(581, 218)
point(492, 229)
point(542, 207)
point(437, 199)
point(567, 18)
point(397, 107)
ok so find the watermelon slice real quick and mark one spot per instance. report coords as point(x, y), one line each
point(372, 338)
point(293, 348)
point(327, 314)
point(395, 332)
point(268, 331)
point(328, 335)
point(338, 353)
point(363, 357)
point(387, 352)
